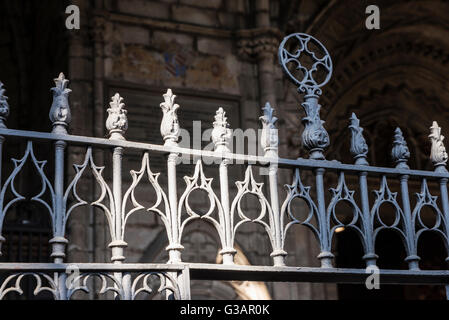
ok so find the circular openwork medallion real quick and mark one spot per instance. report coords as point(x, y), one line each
point(306, 61)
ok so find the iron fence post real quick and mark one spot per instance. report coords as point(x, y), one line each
point(325, 255)
point(221, 134)
point(270, 142)
point(170, 133)
point(117, 124)
point(400, 155)
point(439, 159)
point(60, 117)
point(359, 150)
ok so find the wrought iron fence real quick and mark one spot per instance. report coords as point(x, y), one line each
point(225, 214)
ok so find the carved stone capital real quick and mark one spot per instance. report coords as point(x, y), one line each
point(60, 114)
point(221, 134)
point(98, 28)
point(4, 107)
point(169, 124)
point(258, 43)
point(117, 121)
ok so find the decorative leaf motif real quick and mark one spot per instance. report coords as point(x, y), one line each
point(117, 121)
point(169, 124)
point(400, 153)
point(314, 135)
point(4, 106)
point(60, 114)
point(359, 148)
point(221, 134)
point(438, 153)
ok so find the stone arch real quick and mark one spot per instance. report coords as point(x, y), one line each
point(382, 74)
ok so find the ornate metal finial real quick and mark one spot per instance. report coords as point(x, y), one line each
point(60, 110)
point(117, 122)
point(269, 138)
point(221, 132)
point(438, 153)
point(308, 84)
point(169, 124)
point(315, 138)
point(4, 107)
point(359, 148)
point(400, 152)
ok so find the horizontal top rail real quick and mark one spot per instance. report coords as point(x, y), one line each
point(204, 271)
point(331, 165)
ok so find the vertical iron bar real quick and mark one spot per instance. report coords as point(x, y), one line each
point(412, 258)
point(325, 255)
point(117, 245)
point(2, 139)
point(228, 252)
point(445, 204)
point(185, 279)
point(58, 242)
point(175, 247)
point(370, 256)
point(278, 253)
point(269, 141)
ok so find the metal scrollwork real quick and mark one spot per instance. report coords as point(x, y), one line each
point(298, 190)
point(161, 197)
point(342, 193)
point(16, 281)
point(314, 137)
point(80, 283)
point(166, 283)
point(384, 195)
point(425, 198)
point(9, 183)
point(199, 182)
point(250, 186)
point(308, 84)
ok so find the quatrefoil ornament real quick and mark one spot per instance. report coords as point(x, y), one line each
point(311, 81)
